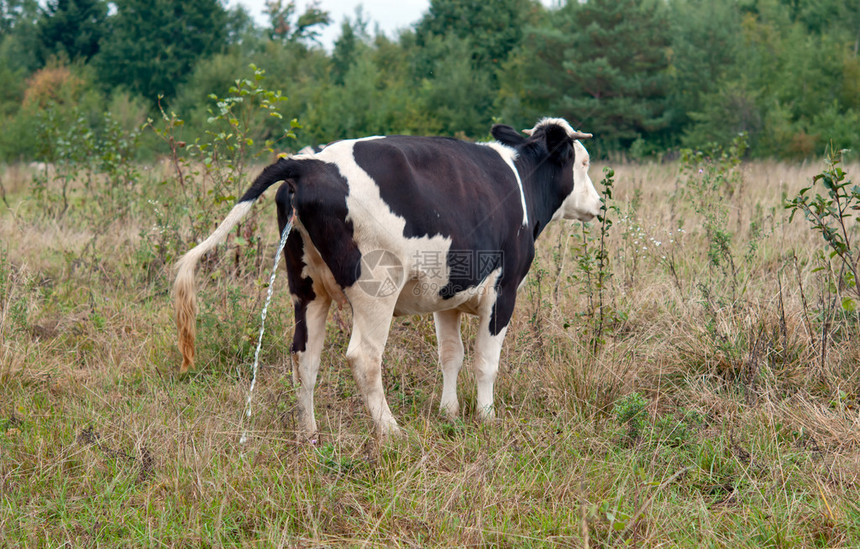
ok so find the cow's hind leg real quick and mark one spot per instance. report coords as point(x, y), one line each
point(305, 353)
point(311, 305)
point(371, 321)
point(450, 358)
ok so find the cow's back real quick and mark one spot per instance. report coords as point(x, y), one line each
point(439, 186)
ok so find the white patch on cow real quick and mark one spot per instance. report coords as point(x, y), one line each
point(376, 227)
point(371, 322)
point(488, 349)
point(557, 122)
point(305, 152)
point(509, 155)
point(583, 203)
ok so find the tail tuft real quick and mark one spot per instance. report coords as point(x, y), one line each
point(185, 306)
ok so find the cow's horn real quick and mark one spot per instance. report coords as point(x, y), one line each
point(528, 132)
point(580, 135)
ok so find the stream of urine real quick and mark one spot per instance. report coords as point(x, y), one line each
point(256, 367)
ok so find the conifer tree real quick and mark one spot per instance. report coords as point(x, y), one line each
point(614, 69)
point(71, 29)
point(152, 45)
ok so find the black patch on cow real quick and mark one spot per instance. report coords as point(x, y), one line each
point(547, 183)
point(516, 264)
point(300, 331)
point(503, 309)
point(300, 286)
point(550, 137)
point(558, 143)
point(320, 202)
point(506, 135)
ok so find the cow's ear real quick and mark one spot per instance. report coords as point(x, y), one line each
point(506, 135)
point(558, 143)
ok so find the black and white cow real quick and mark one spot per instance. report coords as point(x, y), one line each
point(404, 225)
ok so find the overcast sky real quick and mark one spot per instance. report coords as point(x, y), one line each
point(389, 14)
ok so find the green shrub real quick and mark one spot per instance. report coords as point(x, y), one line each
point(629, 412)
point(832, 215)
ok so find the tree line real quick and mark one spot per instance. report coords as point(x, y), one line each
point(645, 76)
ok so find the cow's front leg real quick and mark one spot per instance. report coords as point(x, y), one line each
point(450, 358)
point(492, 327)
point(488, 349)
point(371, 321)
point(305, 354)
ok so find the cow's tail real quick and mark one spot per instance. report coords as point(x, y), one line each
point(185, 287)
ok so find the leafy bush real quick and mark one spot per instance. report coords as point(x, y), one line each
point(832, 215)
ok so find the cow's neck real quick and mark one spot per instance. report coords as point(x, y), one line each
point(543, 191)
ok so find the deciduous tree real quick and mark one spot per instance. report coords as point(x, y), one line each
point(288, 26)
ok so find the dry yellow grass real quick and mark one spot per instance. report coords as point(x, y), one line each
point(743, 435)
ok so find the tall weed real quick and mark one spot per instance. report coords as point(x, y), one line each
point(594, 271)
point(832, 215)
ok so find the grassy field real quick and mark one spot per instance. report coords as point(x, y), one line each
point(699, 389)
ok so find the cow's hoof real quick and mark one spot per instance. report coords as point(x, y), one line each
point(310, 439)
point(487, 414)
point(390, 431)
point(451, 413)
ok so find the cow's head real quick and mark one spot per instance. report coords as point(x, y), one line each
point(564, 148)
